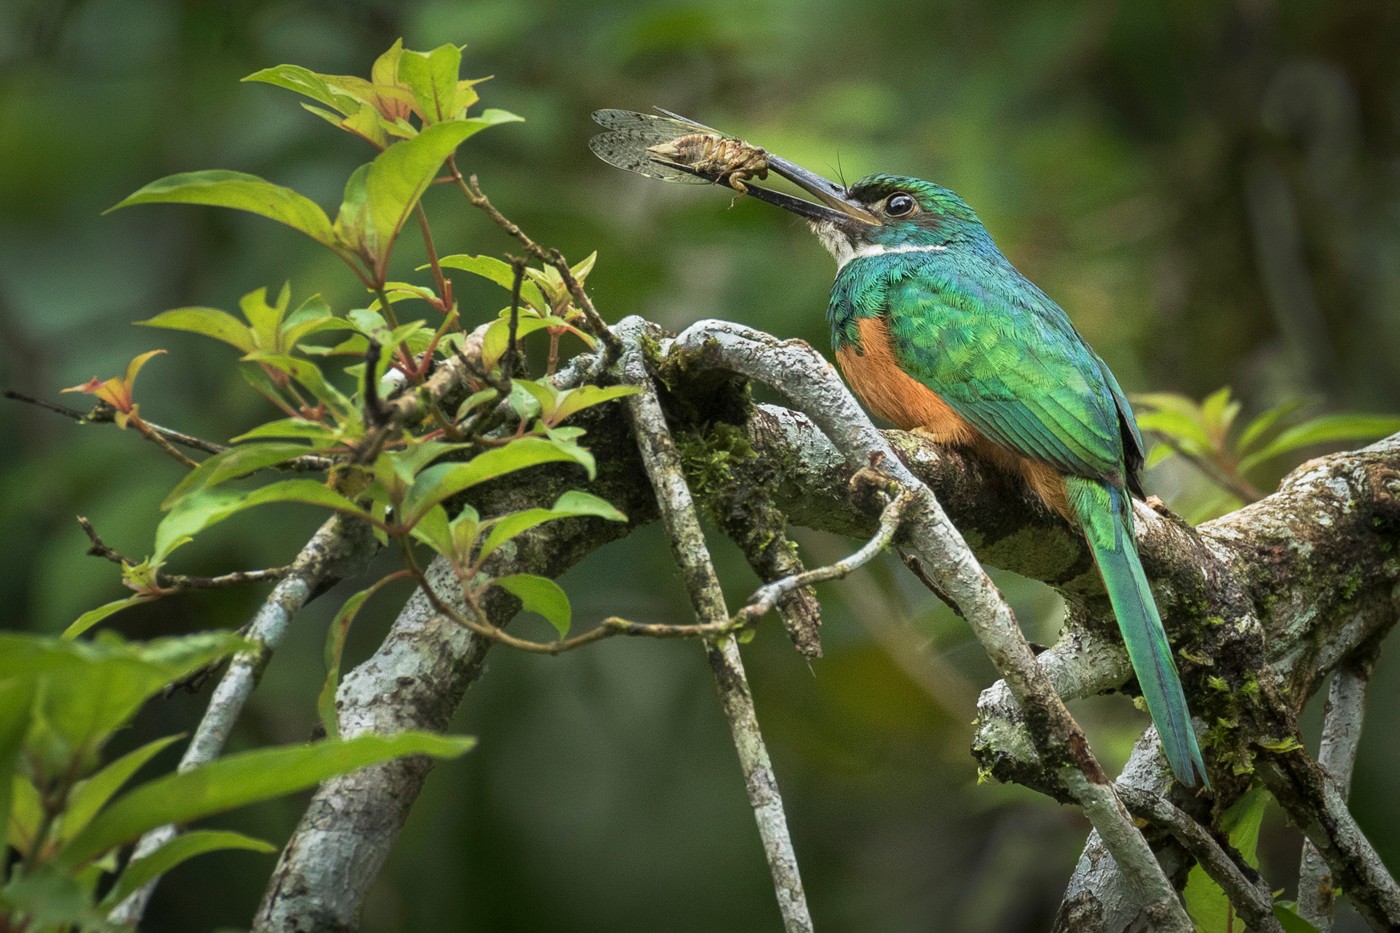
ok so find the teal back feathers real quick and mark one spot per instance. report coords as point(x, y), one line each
point(1005, 358)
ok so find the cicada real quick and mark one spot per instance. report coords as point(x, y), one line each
point(670, 147)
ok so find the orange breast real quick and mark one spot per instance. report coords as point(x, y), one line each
point(887, 390)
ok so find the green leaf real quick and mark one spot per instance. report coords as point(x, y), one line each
point(90, 688)
point(319, 433)
point(179, 849)
point(1206, 902)
point(1287, 915)
point(211, 322)
point(93, 616)
point(1327, 429)
point(307, 82)
point(241, 779)
point(198, 511)
point(232, 463)
point(539, 595)
point(445, 480)
point(335, 648)
point(16, 701)
point(1186, 430)
point(432, 76)
point(312, 379)
point(572, 504)
point(502, 273)
point(497, 337)
point(398, 176)
point(576, 400)
point(91, 795)
point(240, 191)
point(434, 530)
point(1257, 429)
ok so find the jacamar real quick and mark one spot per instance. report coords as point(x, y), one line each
point(938, 333)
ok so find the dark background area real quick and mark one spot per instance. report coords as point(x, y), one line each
point(1210, 189)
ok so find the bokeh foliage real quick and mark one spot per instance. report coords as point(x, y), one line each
point(1208, 189)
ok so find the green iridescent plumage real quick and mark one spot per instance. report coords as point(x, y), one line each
point(963, 322)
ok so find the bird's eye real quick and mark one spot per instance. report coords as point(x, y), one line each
point(899, 204)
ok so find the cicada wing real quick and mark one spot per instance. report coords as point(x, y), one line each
point(629, 136)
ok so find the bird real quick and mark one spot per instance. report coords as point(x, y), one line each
point(937, 332)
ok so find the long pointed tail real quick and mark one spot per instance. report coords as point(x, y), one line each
point(1103, 513)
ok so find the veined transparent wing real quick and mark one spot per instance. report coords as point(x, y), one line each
point(630, 134)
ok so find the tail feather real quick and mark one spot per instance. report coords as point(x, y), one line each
point(1103, 513)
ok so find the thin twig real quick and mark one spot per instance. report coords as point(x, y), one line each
point(510, 360)
point(175, 582)
point(337, 542)
point(766, 597)
point(663, 466)
point(1341, 737)
point(551, 257)
point(1249, 895)
point(811, 383)
point(103, 413)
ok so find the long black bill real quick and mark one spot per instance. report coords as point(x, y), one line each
point(837, 206)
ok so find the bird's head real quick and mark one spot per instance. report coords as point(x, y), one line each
point(878, 213)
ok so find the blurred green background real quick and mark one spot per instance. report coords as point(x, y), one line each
point(1210, 189)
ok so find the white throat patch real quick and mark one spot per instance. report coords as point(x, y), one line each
point(841, 249)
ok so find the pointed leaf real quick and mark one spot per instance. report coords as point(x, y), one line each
point(241, 779)
point(211, 322)
point(577, 400)
point(1259, 428)
point(1325, 430)
point(335, 647)
point(445, 480)
point(92, 794)
point(539, 595)
point(179, 849)
point(572, 504)
point(198, 511)
point(502, 273)
point(232, 463)
point(307, 82)
point(432, 76)
point(240, 191)
point(93, 616)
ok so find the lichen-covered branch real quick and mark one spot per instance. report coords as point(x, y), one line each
point(662, 464)
point(1301, 582)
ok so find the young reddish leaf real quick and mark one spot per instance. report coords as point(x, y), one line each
point(119, 390)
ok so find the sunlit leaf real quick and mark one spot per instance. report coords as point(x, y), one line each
point(502, 273)
point(576, 400)
point(497, 337)
point(240, 191)
point(432, 76)
point(1206, 902)
point(211, 322)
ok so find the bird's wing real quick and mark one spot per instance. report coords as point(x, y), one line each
point(1007, 359)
